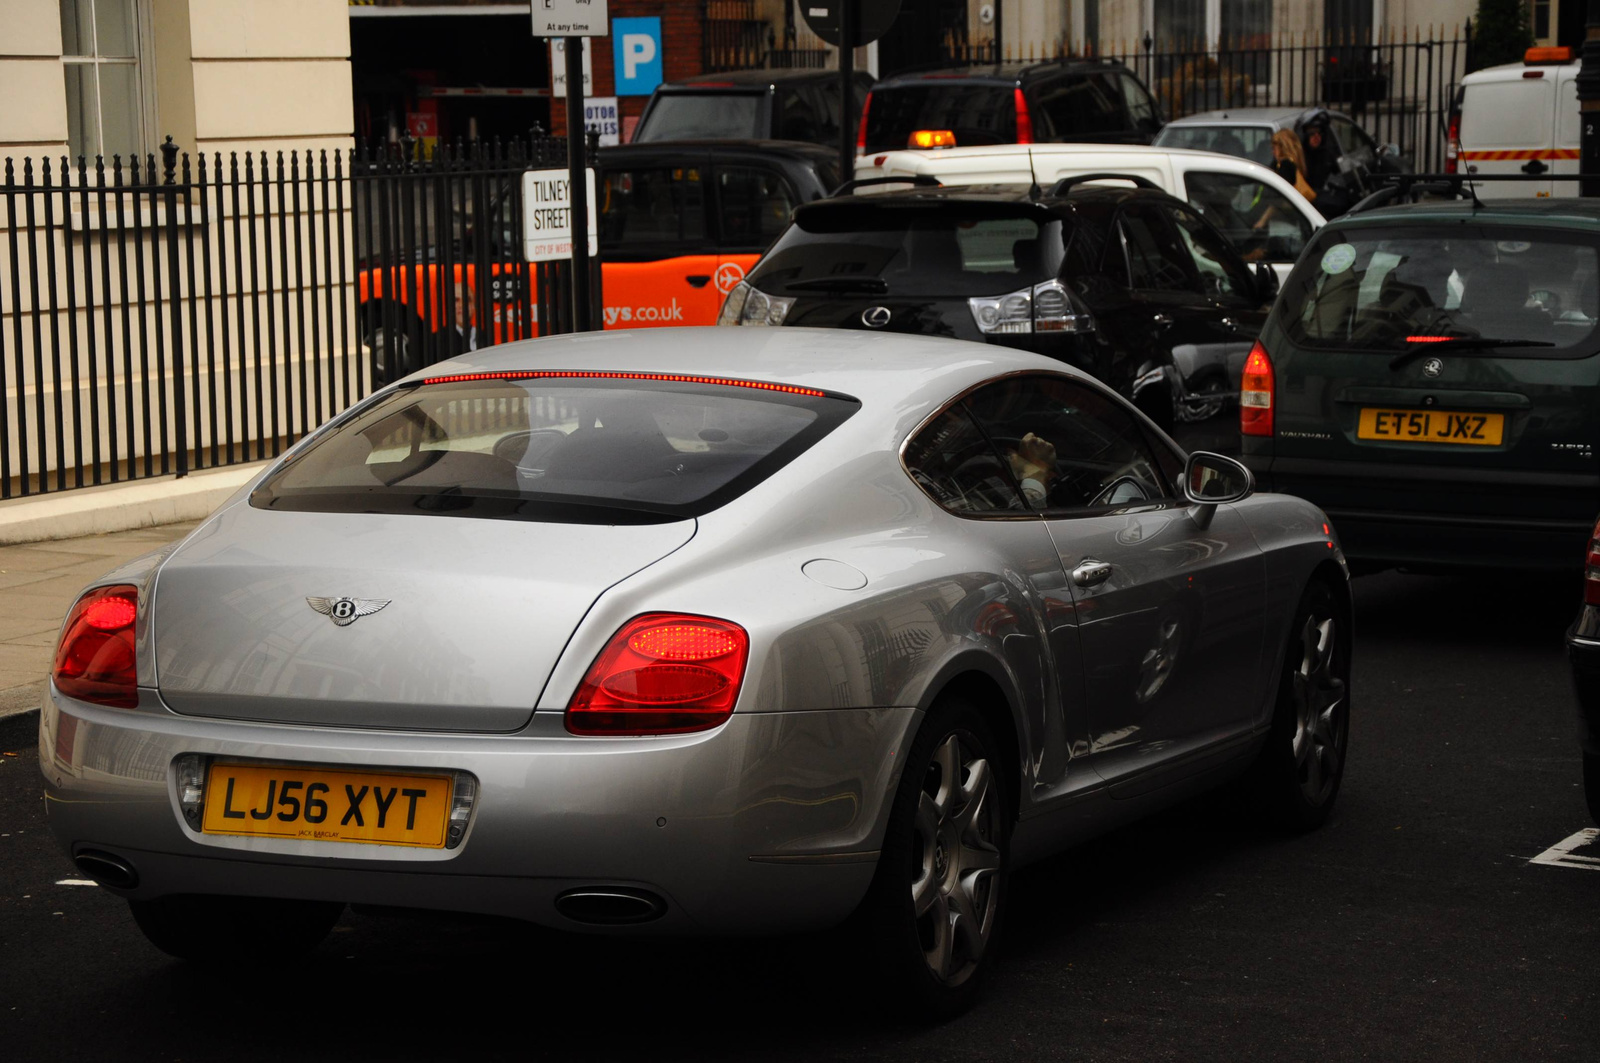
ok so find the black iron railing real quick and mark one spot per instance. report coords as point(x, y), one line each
point(158, 318)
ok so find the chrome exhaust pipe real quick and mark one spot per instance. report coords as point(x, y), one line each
point(610, 905)
point(106, 869)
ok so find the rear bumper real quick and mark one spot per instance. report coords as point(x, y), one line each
point(770, 823)
point(1383, 514)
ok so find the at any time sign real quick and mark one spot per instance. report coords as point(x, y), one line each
point(569, 18)
point(547, 216)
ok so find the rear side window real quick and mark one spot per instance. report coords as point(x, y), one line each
point(1243, 141)
point(941, 249)
point(591, 451)
point(1379, 289)
point(1080, 105)
point(649, 209)
point(975, 113)
point(693, 115)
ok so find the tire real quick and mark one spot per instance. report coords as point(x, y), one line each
point(934, 909)
point(234, 929)
point(1591, 784)
point(1302, 763)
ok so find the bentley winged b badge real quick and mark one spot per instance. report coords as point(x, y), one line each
point(345, 611)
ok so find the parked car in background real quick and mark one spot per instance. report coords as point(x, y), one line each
point(1341, 157)
point(694, 635)
point(680, 223)
point(750, 105)
point(1094, 100)
point(1260, 213)
point(1429, 378)
point(1129, 284)
point(1520, 118)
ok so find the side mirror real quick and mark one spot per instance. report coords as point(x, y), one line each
point(1266, 281)
point(1214, 479)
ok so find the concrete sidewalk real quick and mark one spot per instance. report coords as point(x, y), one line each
point(38, 583)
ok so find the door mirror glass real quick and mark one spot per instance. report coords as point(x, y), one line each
point(1212, 479)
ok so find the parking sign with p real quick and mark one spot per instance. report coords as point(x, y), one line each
point(636, 53)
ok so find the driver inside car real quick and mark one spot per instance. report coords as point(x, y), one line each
point(1033, 463)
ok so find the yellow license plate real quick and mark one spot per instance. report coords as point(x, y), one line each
point(1432, 426)
point(320, 804)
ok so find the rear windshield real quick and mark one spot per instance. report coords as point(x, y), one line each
point(690, 115)
point(1379, 289)
point(938, 249)
point(975, 113)
point(1253, 142)
point(581, 450)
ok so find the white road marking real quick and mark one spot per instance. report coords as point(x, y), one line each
point(76, 882)
point(1561, 854)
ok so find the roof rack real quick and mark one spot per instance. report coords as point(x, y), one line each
point(1067, 184)
point(921, 180)
point(1399, 187)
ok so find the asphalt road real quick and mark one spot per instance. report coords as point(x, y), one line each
point(1411, 927)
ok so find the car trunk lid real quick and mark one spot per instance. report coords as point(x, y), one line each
point(464, 618)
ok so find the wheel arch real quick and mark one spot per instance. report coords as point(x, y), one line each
point(984, 683)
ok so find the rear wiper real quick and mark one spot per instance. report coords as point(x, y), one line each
point(873, 285)
point(1461, 343)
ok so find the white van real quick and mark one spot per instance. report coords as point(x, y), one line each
point(1519, 118)
point(1258, 211)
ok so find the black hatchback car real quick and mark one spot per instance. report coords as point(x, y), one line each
point(1430, 379)
point(1087, 100)
point(1129, 284)
point(750, 104)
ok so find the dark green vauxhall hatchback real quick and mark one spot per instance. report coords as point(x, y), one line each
point(1430, 377)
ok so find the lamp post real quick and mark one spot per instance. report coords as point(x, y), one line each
point(1589, 104)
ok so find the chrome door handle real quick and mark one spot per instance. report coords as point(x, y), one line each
point(1091, 572)
point(1161, 319)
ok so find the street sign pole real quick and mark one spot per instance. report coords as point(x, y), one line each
point(847, 95)
point(578, 186)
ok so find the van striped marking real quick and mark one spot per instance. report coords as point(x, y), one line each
point(1529, 153)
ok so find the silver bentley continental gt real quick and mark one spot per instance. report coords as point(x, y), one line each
point(694, 631)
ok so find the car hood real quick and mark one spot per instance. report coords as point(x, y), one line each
point(462, 619)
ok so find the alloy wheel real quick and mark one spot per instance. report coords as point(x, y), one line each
point(955, 887)
point(1319, 701)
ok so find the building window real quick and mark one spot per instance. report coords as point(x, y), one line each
point(108, 96)
point(1543, 24)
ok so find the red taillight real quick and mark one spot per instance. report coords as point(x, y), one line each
point(663, 673)
point(1591, 569)
point(1255, 394)
point(1024, 120)
point(861, 127)
point(95, 660)
point(1452, 143)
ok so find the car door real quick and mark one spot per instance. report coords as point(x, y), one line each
point(1232, 316)
point(1152, 313)
point(753, 205)
point(1168, 598)
point(1262, 223)
point(657, 249)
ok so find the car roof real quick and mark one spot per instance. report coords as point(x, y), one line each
point(1000, 73)
point(1052, 150)
point(890, 371)
point(1281, 117)
point(1001, 193)
point(750, 80)
point(729, 148)
point(1584, 213)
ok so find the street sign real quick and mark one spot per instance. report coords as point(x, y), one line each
point(873, 18)
point(636, 50)
point(569, 18)
point(547, 215)
point(600, 115)
point(558, 68)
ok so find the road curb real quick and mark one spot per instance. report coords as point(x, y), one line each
point(120, 507)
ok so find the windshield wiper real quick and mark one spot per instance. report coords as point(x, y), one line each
point(872, 285)
point(1461, 343)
